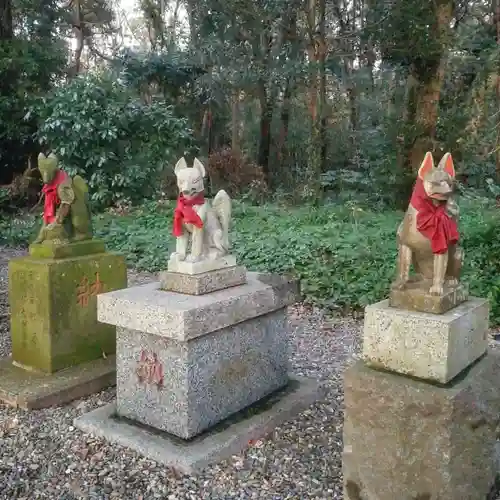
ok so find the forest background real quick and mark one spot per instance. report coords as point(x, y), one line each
point(313, 114)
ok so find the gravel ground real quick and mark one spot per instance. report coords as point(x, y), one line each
point(43, 456)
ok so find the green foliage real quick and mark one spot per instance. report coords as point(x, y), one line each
point(29, 65)
point(4, 198)
point(174, 72)
point(406, 31)
point(344, 256)
point(119, 144)
point(18, 231)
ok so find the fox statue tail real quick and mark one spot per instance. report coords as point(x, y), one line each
point(222, 207)
point(81, 212)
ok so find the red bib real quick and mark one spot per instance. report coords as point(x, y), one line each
point(433, 221)
point(52, 200)
point(185, 214)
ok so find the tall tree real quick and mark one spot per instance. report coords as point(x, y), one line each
point(5, 20)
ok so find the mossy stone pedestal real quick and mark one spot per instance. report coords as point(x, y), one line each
point(55, 333)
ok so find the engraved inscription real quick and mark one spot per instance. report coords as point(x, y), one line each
point(150, 369)
point(86, 289)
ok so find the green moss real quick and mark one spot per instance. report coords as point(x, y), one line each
point(54, 309)
point(74, 249)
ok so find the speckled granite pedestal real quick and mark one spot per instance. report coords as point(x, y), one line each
point(434, 347)
point(422, 410)
point(186, 363)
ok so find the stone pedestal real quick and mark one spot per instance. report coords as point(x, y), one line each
point(406, 439)
point(202, 283)
point(54, 328)
point(416, 297)
point(202, 266)
point(187, 365)
point(422, 412)
point(434, 347)
point(184, 363)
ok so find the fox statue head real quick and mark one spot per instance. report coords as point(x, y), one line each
point(190, 180)
point(438, 182)
point(48, 166)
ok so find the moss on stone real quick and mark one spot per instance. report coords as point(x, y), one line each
point(47, 250)
point(54, 309)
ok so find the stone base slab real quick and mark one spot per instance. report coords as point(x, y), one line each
point(203, 266)
point(48, 250)
point(428, 346)
point(33, 390)
point(416, 297)
point(199, 284)
point(221, 442)
point(149, 309)
point(406, 439)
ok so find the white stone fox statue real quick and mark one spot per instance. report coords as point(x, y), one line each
point(207, 224)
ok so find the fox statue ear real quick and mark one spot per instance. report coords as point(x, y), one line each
point(447, 165)
point(41, 156)
point(426, 166)
point(180, 165)
point(199, 166)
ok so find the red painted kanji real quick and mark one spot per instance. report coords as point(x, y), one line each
point(97, 287)
point(150, 369)
point(85, 290)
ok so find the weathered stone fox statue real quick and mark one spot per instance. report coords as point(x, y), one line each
point(205, 224)
point(428, 235)
point(66, 214)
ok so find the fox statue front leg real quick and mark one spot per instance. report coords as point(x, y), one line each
point(455, 259)
point(440, 266)
point(181, 244)
point(196, 245)
point(198, 235)
point(403, 268)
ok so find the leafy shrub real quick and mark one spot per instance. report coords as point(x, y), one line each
point(344, 256)
point(232, 171)
point(4, 198)
point(118, 143)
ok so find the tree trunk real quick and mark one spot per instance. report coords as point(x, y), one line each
point(424, 90)
point(497, 142)
point(289, 33)
point(266, 100)
point(266, 114)
point(322, 49)
point(317, 55)
point(235, 121)
point(422, 114)
point(172, 24)
point(285, 122)
point(192, 8)
point(6, 31)
point(78, 26)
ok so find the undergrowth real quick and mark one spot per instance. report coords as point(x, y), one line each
point(344, 256)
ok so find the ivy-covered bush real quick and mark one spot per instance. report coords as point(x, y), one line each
point(119, 144)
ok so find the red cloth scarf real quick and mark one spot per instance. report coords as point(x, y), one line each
point(51, 197)
point(433, 221)
point(185, 214)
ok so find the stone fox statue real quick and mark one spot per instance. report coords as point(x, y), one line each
point(206, 224)
point(66, 214)
point(428, 235)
